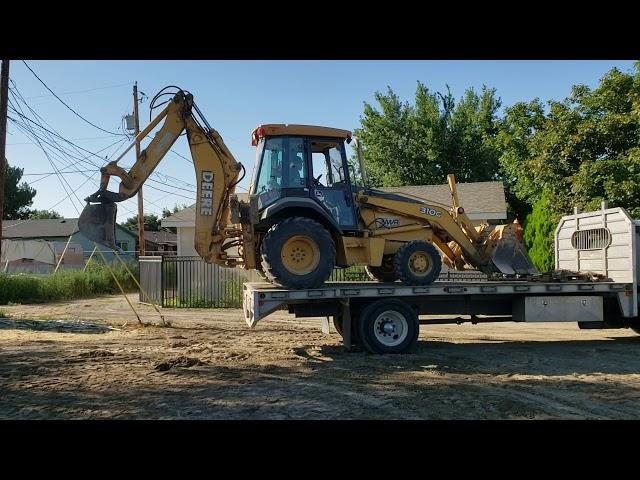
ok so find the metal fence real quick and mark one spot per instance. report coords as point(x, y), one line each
point(190, 282)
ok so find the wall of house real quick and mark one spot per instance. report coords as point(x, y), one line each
point(121, 236)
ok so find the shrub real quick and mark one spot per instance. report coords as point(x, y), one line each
point(65, 284)
point(538, 231)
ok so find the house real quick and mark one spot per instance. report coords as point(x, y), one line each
point(160, 243)
point(184, 222)
point(484, 202)
point(157, 243)
point(58, 231)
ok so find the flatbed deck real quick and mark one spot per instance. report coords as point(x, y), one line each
point(261, 299)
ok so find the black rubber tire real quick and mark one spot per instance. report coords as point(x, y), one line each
point(366, 326)
point(385, 272)
point(271, 251)
point(401, 262)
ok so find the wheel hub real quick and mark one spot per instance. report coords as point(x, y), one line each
point(300, 254)
point(419, 263)
point(390, 328)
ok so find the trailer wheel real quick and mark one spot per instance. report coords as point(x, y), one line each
point(385, 272)
point(417, 263)
point(298, 253)
point(388, 326)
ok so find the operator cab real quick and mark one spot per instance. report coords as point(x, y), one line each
point(306, 161)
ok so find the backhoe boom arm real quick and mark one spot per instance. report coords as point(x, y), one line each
point(217, 174)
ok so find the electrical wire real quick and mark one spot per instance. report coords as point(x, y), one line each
point(82, 91)
point(63, 102)
point(60, 177)
point(55, 145)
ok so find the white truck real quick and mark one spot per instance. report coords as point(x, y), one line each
point(595, 284)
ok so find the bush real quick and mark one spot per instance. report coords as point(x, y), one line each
point(538, 231)
point(65, 284)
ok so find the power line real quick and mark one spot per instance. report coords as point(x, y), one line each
point(81, 91)
point(60, 178)
point(54, 144)
point(76, 139)
point(63, 102)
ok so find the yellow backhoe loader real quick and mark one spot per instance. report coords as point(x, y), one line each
point(297, 226)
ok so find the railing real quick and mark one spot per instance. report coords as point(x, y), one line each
point(189, 282)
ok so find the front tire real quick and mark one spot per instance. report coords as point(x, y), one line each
point(298, 253)
point(388, 326)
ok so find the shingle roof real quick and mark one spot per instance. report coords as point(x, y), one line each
point(48, 227)
point(476, 197)
point(188, 214)
point(480, 200)
point(42, 228)
point(160, 237)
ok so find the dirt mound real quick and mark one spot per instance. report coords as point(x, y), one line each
point(179, 362)
point(97, 354)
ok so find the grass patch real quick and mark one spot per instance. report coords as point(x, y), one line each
point(64, 285)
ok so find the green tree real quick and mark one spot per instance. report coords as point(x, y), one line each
point(18, 197)
point(41, 214)
point(151, 223)
point(537, 237)
point(418, 144)
point(586, 148)
point(167, 212)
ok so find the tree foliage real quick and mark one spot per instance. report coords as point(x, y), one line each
point(167, 212)
point(421, 143)
point(41, 214)
point(537, 237)
point(151, 223)
point(18, 197)
point(584, 149)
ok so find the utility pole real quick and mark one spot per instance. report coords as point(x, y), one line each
point(4, 96)
point(136, 120)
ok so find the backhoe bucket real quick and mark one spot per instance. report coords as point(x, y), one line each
point(509, 255)
point(97, 222)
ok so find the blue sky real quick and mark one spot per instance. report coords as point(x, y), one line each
point(236, 96)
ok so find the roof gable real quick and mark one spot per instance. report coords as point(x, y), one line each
point(476, 197)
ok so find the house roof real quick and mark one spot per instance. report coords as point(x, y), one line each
point(160, 237)
point(187, 216)
point(481, 200)
point(42, 228)
point(49, 227)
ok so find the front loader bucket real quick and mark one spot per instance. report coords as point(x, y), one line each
point(510, 257)
point(97, 222)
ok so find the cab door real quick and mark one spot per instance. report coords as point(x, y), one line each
point(329, 180)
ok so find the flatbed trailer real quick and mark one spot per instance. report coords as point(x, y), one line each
point(385, 317)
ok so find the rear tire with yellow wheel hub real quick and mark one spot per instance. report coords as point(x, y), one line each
point(298, 253)
point(418, 263)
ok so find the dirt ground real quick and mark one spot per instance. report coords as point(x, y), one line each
point(80, 360)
